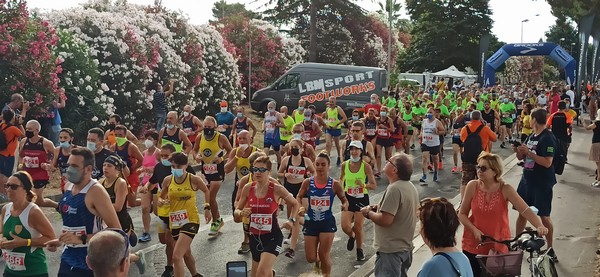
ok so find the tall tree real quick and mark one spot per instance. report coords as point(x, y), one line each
point(563, 32)
point(222, 9)
point(574, 9)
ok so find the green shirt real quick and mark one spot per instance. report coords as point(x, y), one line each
point(285, 134)
point(494, 103)
point(390, 102)
point(506, 111)
point(480, 105)
point(444, 110)
point(24, 260)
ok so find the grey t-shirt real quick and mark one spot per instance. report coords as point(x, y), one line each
point(400, 199)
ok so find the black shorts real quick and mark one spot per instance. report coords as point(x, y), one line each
point(355, 204)
point(154, 191)
point(283, 142)
point(189, 229)
point(385, 142)
point(292, 188)
point(508, 125)
point(410, 132)
point(417, 125)
point(40, 184)
point(538, 195)
point(219, 176)
point(269, 243)
point(314, 228)
point(433, 150)
point(457, 141)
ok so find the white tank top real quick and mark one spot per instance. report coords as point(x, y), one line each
point(429, 138)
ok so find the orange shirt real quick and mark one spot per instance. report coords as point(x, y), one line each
point(567, 115)
point(486, 133)
point(12, 138)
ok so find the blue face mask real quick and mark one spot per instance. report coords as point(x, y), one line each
point(240, 115)
point(91, 146)
point(383, 113)
point(165, 162)
point(429, 116)
point(354, 117)
point(170, 126)
point(177, 172)
point(301, 108)
point(307, 119)
point(66, 144)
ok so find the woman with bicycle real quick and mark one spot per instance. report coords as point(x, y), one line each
point(439, 222)
point(486, 198)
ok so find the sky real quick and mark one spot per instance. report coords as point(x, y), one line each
point(507, 14)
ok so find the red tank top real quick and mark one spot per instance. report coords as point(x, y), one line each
point(263, 217)
point(383, 133)
point(34, 155)
point(309, 134)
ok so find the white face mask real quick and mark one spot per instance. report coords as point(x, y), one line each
point(223, 109)
point(355, 160)
point(186, 114)
point(148, 143)
point(297, 136)
point(243, 146)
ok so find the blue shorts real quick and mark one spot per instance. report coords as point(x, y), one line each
point(6, 165)
point(275, 142)
point(334, 132)
point(314, 228)
point(538, 195)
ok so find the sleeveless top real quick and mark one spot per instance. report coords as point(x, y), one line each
point(332, 118)
point(370, 127)
point(347, 150)
point(263, 219)
point(61, 161)
point(148, 164)
point(34, 155)
point(456, 128)
point(243, 164)
point(183, 203)
point(491, 218)
point(286, 133)
point(298, 171)
point(241, 125)
point(383, 133)
point(397, 133)
point(123, 152)
point(79, 220)
point(210, 150)
point(308, 134)
point(271, 129)
point(188, 125)
point(123, 215)
point(24, 260)
point(299, 116)
point(320, 200)
point(174, 139)
point(428, 137)
point(350, 180)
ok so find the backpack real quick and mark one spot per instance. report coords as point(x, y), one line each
point(472, 145)
point(560, 155)
point(3, 140)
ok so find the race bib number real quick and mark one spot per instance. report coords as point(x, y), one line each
point(261, 222)
point(31, 162)
point(77, 231)
point(210, 168)
point(221, 129)
point(456, 133)
point(383, 132)
point(188, 131)
point(356, 192)
point(306, 136)
point(427, 138)
point(14, 261)
point(320, 203)
point(179, 218)
point(370, 132)
point(297, 171)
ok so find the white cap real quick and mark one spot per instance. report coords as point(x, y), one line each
point(357, 144)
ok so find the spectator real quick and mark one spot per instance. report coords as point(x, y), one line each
point(225, 120)
point(486, 134)
point(55, 120)
point(555, 98)
point(560, 123)
point(538, 177)
point(571, 95)
point(439, 222)
point(18, 105)
point(109, 136)
point(160, 103)
point(595, 148)
point(13, 130)
point(108, 253)
point(395, 219)
point(486, 200)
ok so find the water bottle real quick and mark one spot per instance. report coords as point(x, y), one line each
point(534, 209)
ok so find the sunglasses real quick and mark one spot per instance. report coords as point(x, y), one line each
point(122, 233)
point(356, 131)
point(259, 169)
point(428, 200)
point(482, 168)
point(12, 186)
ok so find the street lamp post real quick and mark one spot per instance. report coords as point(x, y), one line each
point(562, 41)
point(523, 21)
point(571, 51)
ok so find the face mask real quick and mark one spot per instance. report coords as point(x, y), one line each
point(423, 105)
point(223, 109)
point(354, 117)
point(306, 118)
point(148, 143)
point(73, 175)
point(111, 126)
point(170, 126)
point(429, 116)
point(186, 114)
point(121, 141)
point(91, 146)
point(355, 160)
point(505, 100)
point(65, 144)
point(209, 132)
point(240, 115)
point(271, 110)
point(165, 162)
point(383, 113)
point(301, 108)
point(373, 101)
point(243, 146)
point(29, 134)
point(297, 136)
point(177, 172)
point(295, 151)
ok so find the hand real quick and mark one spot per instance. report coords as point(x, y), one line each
point(207, 216)
point(198, 157)
point(288, 175)
point(541, 230)
point(345, 206)
point(217, 160)
point(301, 211)
point(14, 243)
point(46, 166)
point(70, 238)
point(522, 150)
point(246, 212)
point(162, 202)
point(374, 207)
point(143, 189)
point(365, 210)
point(477, 234)
point(26, 106)
point(358, 182)
point(52, 245)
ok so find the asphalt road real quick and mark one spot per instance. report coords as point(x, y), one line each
point(212, 254)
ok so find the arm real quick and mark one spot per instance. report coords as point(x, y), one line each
point(198, 184)
point(318, 131)
point(404, 126)
point(224, 143)
point(282, 167)
point(371, 153)
point(131, 137)
point(39, 222)
point(465, 208)
point(520, 205)
point(338, 189)
point(164, 192)
point(196, 148)
point(342, 172)
point(310, 153)
point(54, 164)
point(370, 177)
point(187, 145)
point(280, 121)
point(160, 135)
point(231, 161)
point(343, 114)
point(310, 166)
point(440, 128)
point(121, 194)
point(196, 121)
point(134, 152)
point(237, 213)
point(102, 207)
point(171, 88)
point(343, 148)
point(390, 126)
point(303, 190)
point(251, 126)
point(591, 126)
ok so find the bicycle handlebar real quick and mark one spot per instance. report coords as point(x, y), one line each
point(528, 231)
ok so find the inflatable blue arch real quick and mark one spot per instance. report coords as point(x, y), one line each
point(557, 53)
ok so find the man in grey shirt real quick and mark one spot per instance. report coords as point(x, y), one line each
point(395, 219)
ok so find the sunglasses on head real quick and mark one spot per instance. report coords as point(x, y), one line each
point(428, 200)
point(122, 233)
point(481, 168)
point(12, 186)
point(258, 169)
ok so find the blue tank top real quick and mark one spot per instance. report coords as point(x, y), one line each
point(239, 126)
point(174, 138)
point(187, 124)
point(79, 220)
point(271, 129)
point(320, 200)
point(61, 162)
point(124, 154)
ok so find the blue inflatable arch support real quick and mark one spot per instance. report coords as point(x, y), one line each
point(557, 53)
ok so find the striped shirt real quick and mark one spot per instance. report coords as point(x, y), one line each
point(160, 102)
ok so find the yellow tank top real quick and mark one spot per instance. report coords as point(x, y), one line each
point(286, 132)
point(163, 211)
point(183, 203)
point(332, 118)
point(209, 148)
point(350, 178)
point(299, 116)
point(243, 164)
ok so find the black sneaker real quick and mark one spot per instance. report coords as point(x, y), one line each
point(339, 161)
point(412, 146)
point(350, 244)
point(168, 272)
point(502, 145)
point(360, 256)
point(552, 255)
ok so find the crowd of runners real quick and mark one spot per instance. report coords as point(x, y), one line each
point(156, 171)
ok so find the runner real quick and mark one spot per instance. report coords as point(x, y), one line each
point(368, 154)
point(109, 136)
point(151, 158)
point(292, 172)
point(354, 118)
point(370, 123)
point(320, 228)
point(12, 127)
point(210, 149)
point(25, 229)
point(507, 110)
point(408, 117)
point(191, 124)
point(335, 118)
point(311, 130)
point(61, 155)
point(307, 149)
point(242, 122)
point(385, 128)
point(35, 151)
point(266, 236)
point(298, 114)
point(225, 120)
point(430, 144)
point(172, 134)
point(118, 189)
point(459, 123)
point(184, 220)
point(273, 121)
point(285, 132)
point(317, 118)
point(353, 174)
point(491, 118)
point(95, 144)
point(400, 130)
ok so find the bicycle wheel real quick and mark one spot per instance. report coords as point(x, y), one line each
point(544, 266)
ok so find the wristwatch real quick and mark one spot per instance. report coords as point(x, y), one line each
point(292, 220)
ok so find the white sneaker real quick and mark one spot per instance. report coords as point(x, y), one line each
point(596, 184)
point(286, 241)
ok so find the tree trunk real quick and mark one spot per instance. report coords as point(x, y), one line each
point(312, 55)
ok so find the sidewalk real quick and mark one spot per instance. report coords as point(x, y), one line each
point(575, 213)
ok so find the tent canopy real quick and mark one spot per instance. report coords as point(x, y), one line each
point(450, 72)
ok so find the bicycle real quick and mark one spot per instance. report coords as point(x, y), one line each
point(509, 264)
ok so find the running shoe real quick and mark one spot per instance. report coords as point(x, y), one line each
point(596, 184)
point(502, 145)
point(245, 248)
point(215, 227)
point(455, 169)
point(141, 264)
point(350, 244)
point(168, 272)
point(317, 268)
point(360, 256)
point(198, 275)
point(339, 161)
point(552, 255)
point(146, 237)
point(435, 176)
point(412, 146)
point(423, 179)
point(290, 253)
point(440, 166)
